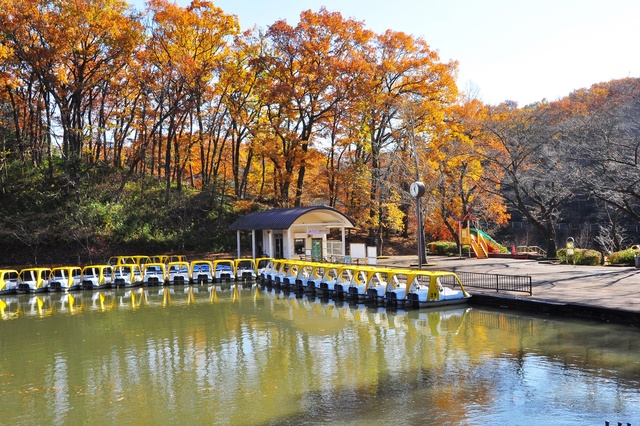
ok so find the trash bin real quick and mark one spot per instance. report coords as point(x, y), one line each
point(637, 258)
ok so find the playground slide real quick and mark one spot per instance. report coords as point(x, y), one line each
point(482, 244)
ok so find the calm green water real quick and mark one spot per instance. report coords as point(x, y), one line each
point(250, 357)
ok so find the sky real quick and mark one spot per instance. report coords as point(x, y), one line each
point(518, 50)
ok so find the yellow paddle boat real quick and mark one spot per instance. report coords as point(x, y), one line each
point(331, 279)
point(306, 277)
point(155, 274)
point(246, 269)
point(34, 280)
point(225, 270)
point(127, 276)
point(9, 280)
point(273, 269)
point(261, 264)
point(427, 289)
point(202, 272)
point(97, 277)
point(179, 273)
point(381, 279)
point(65, 278)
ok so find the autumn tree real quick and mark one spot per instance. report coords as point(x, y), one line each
point(239, 88)
point(71, 48)
point(400, 67)
point(342, 166)
point(25, 118)
point(185, 49)
point(309, 70)
point(456, 157)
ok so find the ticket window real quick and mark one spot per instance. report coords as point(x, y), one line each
point(299, 246)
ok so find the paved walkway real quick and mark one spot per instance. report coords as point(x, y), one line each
point(608, 287)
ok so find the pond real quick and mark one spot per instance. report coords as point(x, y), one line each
point(251, 356)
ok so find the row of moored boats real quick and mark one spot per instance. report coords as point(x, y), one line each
point(127, 272)
point(399, 287)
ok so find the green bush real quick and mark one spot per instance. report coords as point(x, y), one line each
point(624, 257)
point(588, 257)
point(443, 248)
point(561, 254)
point(580, 257)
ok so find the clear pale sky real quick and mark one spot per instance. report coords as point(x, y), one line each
point(521, 50)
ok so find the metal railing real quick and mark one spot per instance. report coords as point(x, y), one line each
point(517, 283)
point(535, 250)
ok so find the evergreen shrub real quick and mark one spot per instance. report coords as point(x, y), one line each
point(443, 248)
point(580, 257)
point(624, 257)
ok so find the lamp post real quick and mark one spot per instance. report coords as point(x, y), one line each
point(417, 190)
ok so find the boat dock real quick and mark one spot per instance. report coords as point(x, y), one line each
point(610, 293)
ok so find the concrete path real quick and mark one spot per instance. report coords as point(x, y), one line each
point(609, 287)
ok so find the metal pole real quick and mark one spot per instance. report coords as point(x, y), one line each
point(460, 238)
point(420, 234)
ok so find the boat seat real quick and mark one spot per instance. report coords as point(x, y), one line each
point(450, 294)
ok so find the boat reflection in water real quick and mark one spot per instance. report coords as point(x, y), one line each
point(314, 312)
point(40, 305)
point(211, 354)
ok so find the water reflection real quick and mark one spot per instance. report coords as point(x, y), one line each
point(242, 355)
point(46, 304)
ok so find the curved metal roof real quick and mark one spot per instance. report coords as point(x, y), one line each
point(284, 218)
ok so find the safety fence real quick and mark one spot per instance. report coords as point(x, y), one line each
point(517, 283)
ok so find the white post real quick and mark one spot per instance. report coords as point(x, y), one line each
point(269, 248)
point(238, 242)
point(253, 243)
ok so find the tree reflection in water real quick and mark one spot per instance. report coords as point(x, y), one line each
point(241, 355)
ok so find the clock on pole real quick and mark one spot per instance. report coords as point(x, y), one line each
point(417, 189)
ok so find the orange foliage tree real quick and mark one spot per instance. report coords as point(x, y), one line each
point(184, 53)
point(309, 71)
point(402, 70)
point(70, 49)
point(457, 162)
point(238, 86)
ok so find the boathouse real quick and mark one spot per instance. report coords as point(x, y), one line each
point(294, 232)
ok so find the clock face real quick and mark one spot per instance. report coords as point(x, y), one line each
point(416, 189)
